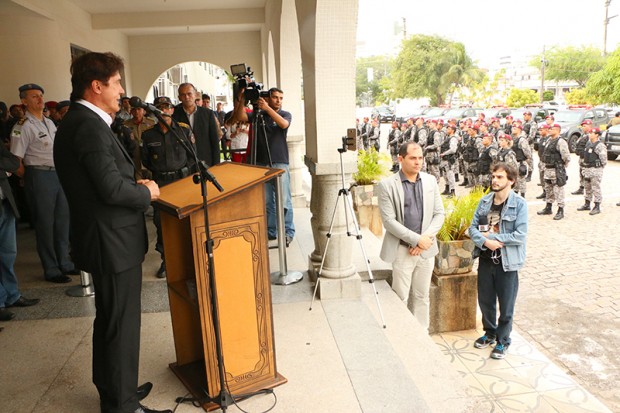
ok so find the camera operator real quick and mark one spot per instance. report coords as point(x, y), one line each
point(271, 150)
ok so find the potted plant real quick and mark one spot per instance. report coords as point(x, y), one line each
point(455, 247)
point(372, 166)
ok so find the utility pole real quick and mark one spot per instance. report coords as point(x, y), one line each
point(605, 24)
point(405, 28)
point(543, 63)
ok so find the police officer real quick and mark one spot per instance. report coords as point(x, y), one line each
point(32, 141)
point(523, 154)
point(488, 154)
point(530, 128)
point(448, 155)
point(420, 136)
point(470, 156)
point(431, 153)
point(506, 154)
point(580, 146)
point(594, 160)
point(541, 144)
point(374, 133)
point(166, 158)
point(394, 142)
point(508, 125)
point(556, 158)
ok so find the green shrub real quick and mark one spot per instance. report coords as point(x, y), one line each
point(371, 166)
point(459, 214)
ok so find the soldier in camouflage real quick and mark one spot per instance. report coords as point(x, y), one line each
point(469, 154)
point(523, 154)
point(448, 156)
point(530, 128)
point(556, 158)
point(421, 133)
point(506, 154)
point(580, 146)
point(431, 153)
point(488, 154)
point(540, 147)
point(508, 125)
point(394, 143)
point(594, 160)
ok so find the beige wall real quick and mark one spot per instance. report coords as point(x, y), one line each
point(152, 55)
point(36, 46)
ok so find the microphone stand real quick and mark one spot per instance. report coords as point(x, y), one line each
point(224, 399)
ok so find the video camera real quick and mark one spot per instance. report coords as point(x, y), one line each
point(349, 141)
point(244, 79)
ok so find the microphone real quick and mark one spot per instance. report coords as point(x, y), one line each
point(483, 224)
point(136, 102)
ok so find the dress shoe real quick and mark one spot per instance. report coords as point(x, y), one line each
point(74, 271)
point(161, 272)
point(6, 315)
point(59, 279)
point(24, 302)
point(144, 409)
point(289, 240)
point(144, 390)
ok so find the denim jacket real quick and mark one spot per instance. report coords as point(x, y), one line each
point(512, 230)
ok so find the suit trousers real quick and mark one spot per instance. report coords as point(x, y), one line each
point(413, 273)
point(9, 292)
point(116, 339)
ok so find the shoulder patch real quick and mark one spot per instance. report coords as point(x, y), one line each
point(184, 125)
point(22, 121)
point(148, 128)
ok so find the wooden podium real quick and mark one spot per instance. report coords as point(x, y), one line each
point(239, 230)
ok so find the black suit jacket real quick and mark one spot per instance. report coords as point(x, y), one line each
point(205, 133)
point(108, 230)
point(8, 163)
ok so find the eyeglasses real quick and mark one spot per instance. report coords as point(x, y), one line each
point(496, 256)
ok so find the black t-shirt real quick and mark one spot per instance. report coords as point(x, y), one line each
point(276, 138)
point(493, 217)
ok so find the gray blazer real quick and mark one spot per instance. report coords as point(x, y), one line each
point(391, 206)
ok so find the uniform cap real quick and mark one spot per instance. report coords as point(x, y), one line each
point(545, 126)
point(162, 100)
point(556, 125)
point(505, 136)
point(62, 104)
point(517, 124)
point(509, 117)
point(587, 122)
point(527, 112)
point(595, 130)
point(30, 86)
point(433, 121)
point(550, 117)
point(51, 104)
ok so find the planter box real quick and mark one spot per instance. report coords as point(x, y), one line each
point(366, 206)
point(453, 302)
point(454, 257)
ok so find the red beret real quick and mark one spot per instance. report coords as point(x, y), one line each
point(595, 130)
point(587, 122)
point(550, 117)
point(556, 125)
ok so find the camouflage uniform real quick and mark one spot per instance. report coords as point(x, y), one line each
point(470, 157)
point(522, 150)
point(487, 157)
point(554, 192)
point(432, 153)
point(595, 156)
point(531, 131)
point(393, 144)
point(580, 147)
point(507, 156)
point(448, 160)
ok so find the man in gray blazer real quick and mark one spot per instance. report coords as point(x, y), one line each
point(412, 213)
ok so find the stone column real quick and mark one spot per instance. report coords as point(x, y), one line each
point(327, 31)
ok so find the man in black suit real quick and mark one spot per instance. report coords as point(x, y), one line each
point(201, 121)
point(108, 230)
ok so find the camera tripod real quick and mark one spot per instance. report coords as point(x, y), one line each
point(344, 193)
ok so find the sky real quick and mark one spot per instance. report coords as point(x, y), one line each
point(490, 28)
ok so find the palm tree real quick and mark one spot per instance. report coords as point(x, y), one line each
point(459, 71)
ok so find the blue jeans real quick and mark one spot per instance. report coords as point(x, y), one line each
point(270, 199)
point(50, 216)
point(9, 293)
point(495, 284)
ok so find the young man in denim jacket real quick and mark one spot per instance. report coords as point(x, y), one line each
point(500, 243)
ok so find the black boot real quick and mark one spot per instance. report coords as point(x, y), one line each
point(446, 190)
point(451, 194)
point(560, 214)
point(529, 176)
point(465, 182)
point(456, 177)
point(546, 211)
point(542, 196)
point(578, 192)
point(596, 209)
point(585, 206)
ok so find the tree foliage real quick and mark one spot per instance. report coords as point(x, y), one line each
point(548, 95)
point(371, 91)
point(571, 63)
point(485, 92)
point(604, 85)
point(521, 97)
point(577, 97)
point(433, 67)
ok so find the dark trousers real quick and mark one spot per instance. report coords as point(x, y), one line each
point(50, 216)
point(495, 284)
point(116, 339)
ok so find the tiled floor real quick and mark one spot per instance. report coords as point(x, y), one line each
point(525, 381)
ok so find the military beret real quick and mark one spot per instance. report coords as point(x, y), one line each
point(544, 126)
point(51, 104)
point(474, 127)
point(505, 136)
point(62, 104)
point(550, 117)
point(527, 112)
point(509, 117)
point(587, 122)
point(163, 100)
point(517, 124)
point(30, 86)
point(595, 130)
point(453, 127)
point(556, 125)
point(433, 121)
